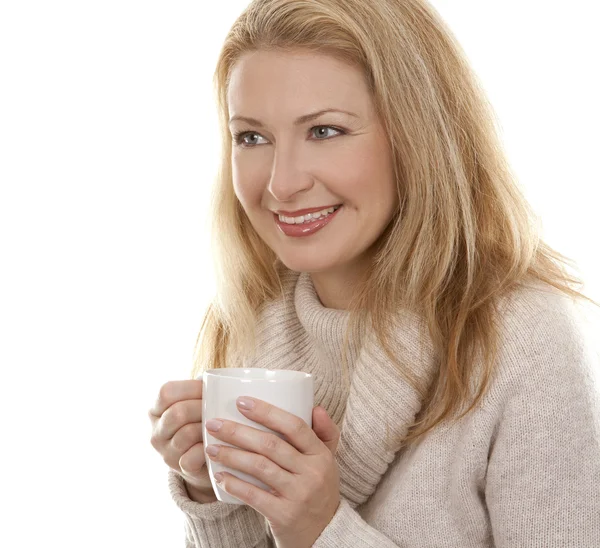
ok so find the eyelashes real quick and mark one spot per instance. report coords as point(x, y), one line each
point(238, 136)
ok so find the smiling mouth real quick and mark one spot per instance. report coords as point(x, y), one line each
point(309, 217)
point(307, 227)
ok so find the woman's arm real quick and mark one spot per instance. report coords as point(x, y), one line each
point(212, 524)
point(543, 479)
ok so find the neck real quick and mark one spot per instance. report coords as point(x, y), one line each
point(336, 289)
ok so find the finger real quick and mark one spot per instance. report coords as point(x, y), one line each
point(185, 438)
point(178, 415)
point(268, 504)
point(174, 391)
point(325, 429)
point(297, 432)
point(258, 466)
point(263, 443)
point(192, 461)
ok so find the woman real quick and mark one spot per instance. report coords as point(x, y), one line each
point(369, 231)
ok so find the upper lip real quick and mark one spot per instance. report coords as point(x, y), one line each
point(303, 211)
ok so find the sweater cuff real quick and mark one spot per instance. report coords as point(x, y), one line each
point(348, 530)
point(217, 523)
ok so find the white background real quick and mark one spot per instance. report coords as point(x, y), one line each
point(108, 148)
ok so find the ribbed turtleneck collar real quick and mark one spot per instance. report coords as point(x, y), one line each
point(298, 332)
point(326, 327)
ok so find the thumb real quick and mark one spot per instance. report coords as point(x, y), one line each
point(325, 429)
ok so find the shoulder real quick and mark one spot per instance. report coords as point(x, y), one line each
point(544, 341)
point(530, 300)
point(538, 313)
point(546, 424)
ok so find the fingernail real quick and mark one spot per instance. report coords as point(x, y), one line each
point(214, 425)
point(212, 450)
point(245, 403)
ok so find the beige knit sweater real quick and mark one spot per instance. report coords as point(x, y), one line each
point(523, 470)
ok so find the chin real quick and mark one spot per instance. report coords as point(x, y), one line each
point(307, 264)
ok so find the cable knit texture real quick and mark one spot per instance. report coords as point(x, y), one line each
point(523, 470)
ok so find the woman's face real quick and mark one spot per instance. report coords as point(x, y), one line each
point(284, 163)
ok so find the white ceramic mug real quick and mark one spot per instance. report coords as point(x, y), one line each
point(290, 390)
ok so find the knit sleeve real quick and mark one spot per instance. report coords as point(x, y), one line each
point(219, 523)
point(543, 478)
point(348, 530)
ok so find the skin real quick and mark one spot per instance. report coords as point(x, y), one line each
point(278, 165)
point(302, 471)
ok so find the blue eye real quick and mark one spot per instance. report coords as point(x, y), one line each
point(240, 136)
point(325, 128)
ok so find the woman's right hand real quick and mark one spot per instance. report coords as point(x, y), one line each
point(177, 435)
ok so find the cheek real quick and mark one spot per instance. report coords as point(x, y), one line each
point(365, 182)
point(245, 186)
point(248, 181)
point(240, 190)
point(371, 189)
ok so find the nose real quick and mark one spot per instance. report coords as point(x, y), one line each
point(288, 177)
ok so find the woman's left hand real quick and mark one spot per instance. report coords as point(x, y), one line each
point(301, 470)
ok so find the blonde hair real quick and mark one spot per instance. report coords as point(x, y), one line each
point(463, 235)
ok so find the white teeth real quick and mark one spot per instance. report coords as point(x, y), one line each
point(308, 217)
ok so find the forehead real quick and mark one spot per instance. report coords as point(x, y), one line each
point(266, 82)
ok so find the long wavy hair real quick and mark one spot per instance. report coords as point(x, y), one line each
point(463, 235)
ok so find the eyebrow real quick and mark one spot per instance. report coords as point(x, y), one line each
point(299, 121)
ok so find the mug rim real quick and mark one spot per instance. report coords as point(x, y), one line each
point(216, 372)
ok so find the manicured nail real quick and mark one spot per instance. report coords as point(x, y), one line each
point(214, 425)
point(212, 450)
point(245, 403)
